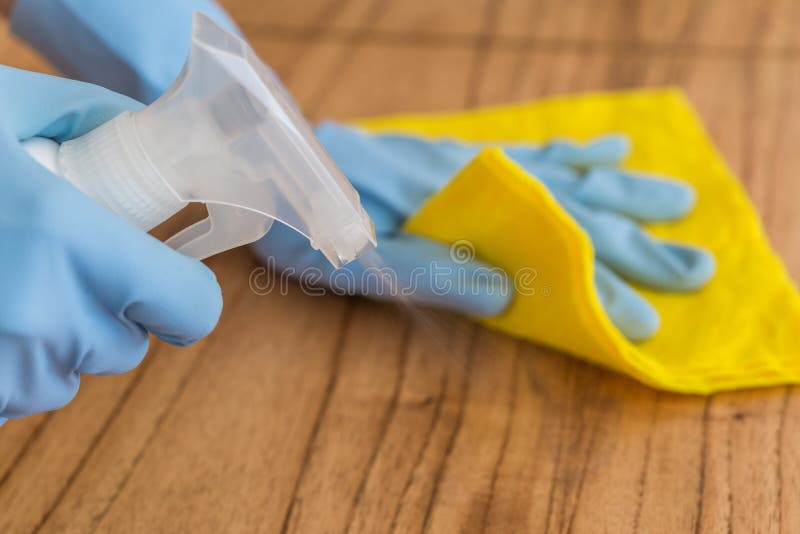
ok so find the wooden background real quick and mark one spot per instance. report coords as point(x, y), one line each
point(304, 414)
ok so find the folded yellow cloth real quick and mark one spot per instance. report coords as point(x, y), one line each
point(742, 330)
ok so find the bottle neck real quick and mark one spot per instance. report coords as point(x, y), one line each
point(109, 165)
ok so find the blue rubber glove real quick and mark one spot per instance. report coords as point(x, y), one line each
point(134, 47)
point(395, 174)
point(81, 288)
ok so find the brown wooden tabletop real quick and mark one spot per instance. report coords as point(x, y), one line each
point(325, 414)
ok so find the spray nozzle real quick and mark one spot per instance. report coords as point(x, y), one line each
point(228, 135)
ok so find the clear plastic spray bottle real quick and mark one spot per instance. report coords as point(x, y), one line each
point(225, 134)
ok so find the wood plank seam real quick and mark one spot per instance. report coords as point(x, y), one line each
point(501, 456)
point(642, 482)
point(385, 421)
point(316, 99)
point(729, 474)
point(423, 449)
point(771, 161)
point(482, 44)
point(570, 372)
point(750, 113)
point(451, 441)
point(701, 486)
point(333, 377)
point(787, 395)
point(23, 451)
point(414, 39)
point(308, 36)
point(101, 431)
point(331, 78)
point(234, 299)
point(590, 449)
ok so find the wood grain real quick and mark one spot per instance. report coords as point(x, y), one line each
point(323, 414)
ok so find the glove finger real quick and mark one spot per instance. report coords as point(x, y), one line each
point(398, 171)
point(433, 274)
point(559, 179)
point(631, 314)
point(643, 197)
point(607, 150)
point(116, 346)
point(27, 383)
point(409, 268)
point(559, 165)
point(624, 247)
point(175, 297)
point(135, 276)
point(82, 333)
point(56, 107)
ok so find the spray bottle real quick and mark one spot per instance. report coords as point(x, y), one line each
point(225, 134)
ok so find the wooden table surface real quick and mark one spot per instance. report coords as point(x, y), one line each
point(308, 414)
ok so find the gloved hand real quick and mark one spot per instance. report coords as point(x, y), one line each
point(81, 288)
point(134, 47)
point(395, 174)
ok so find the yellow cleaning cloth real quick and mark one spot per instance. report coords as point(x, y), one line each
point(742, 330)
